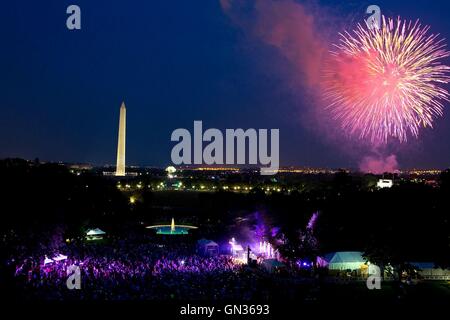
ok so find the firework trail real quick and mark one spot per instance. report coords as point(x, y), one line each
point(383, 83)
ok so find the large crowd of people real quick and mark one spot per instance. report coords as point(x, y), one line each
point(127, 270)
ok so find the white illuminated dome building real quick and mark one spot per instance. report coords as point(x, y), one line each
point(385, 183)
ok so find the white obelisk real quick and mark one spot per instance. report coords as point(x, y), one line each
point(120, 167)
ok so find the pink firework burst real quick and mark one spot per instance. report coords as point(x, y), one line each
point(386, 82)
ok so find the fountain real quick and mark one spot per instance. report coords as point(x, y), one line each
point(172, 228)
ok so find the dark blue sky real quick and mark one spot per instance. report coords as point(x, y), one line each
point(172, 62)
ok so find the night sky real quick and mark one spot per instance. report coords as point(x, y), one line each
point(172, 62)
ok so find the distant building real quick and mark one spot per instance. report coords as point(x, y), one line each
point(80, 166)
point(385, 183)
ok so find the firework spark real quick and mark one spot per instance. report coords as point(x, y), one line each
point(387, 82)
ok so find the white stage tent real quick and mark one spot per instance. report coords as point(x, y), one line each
point(207, 247)
point(60, 257)
point(344, 260)
point(272, 265)
point(95, 234)
point(429, 271)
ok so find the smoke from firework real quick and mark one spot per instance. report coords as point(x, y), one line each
point(379, 164)
point(285, 25)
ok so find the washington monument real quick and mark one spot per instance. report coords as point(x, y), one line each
point(120, 167)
